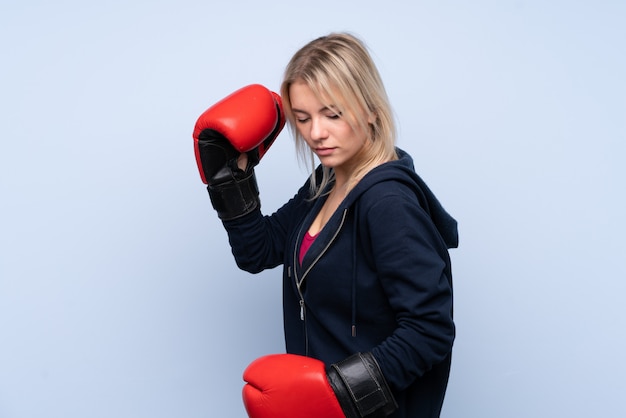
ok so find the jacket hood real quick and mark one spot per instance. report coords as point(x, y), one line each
point(403, 170)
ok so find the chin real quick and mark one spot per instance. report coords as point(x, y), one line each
point(328, 162)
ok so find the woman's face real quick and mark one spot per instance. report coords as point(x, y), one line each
point(325, 130)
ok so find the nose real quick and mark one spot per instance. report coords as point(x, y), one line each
point(318, 130)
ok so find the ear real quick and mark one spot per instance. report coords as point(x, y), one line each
point(372, 118)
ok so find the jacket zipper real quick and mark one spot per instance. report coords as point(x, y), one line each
point(300, 281)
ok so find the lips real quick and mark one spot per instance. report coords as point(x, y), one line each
point(324, 151)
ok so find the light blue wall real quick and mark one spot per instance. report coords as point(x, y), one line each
point(118, 294)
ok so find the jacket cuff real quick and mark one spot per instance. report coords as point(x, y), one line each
point(361, 388)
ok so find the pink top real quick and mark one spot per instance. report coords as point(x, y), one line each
point(306, 244)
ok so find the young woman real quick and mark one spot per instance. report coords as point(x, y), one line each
point(367, 293)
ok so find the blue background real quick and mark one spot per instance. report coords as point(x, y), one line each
point(118, 294)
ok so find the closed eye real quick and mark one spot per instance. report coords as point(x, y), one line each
point(301, 116)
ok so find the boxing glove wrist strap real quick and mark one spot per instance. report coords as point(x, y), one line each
point(361, 388)
point(235, 198)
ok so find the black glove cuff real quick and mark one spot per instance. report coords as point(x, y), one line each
point(361, 388)
point(235, 198)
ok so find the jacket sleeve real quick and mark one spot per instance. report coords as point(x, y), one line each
point(413, 267)
point(258, 241)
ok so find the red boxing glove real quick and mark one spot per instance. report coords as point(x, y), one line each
point(250, 119)
point(289, 386)
point(247, 121)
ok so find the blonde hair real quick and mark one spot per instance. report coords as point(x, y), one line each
point(340, 71)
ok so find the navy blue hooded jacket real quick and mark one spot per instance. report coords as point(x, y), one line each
point(376, 279)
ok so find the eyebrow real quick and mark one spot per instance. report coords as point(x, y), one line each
point(332, 109)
